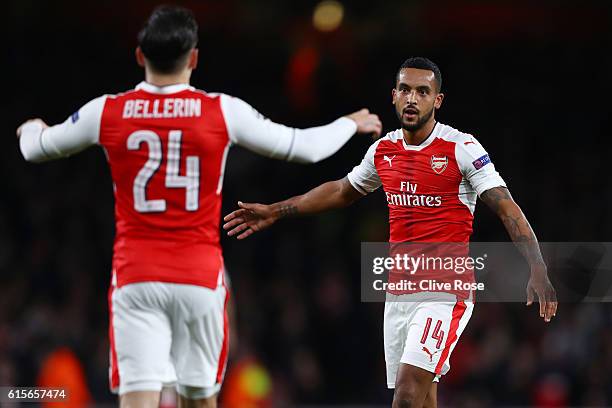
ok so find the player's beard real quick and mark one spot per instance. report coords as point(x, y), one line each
point(421, 120)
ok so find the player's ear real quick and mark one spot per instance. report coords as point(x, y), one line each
point(393, 95)
point(438, 101)
point(140, 58)
point(193, 59)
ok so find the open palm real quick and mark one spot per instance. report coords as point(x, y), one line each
point(248, 219)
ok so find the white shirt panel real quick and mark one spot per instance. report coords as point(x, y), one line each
point(364, 177)
point(78, 132)
point(250, 129)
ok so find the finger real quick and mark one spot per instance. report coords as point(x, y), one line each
point(555, 303)
point(245, 234)
point(529, 297)
point(237, 229)
point(550, 310)
point(378, 129)
point(233, 214)
point(542, 302)
point(246, 206)
point(232, 223)
point(373, 129)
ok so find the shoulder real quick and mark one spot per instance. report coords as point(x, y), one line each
point(237, 110)
point(213, 96)
point(390, 139)
point(450, 134)
point(121, 95)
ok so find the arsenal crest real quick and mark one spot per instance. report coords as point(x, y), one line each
point(438, 163)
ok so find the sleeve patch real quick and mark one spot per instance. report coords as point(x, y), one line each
point(74, 117)
point(481, 162)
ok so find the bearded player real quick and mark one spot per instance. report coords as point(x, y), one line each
point(166, 144)
point(431, 174)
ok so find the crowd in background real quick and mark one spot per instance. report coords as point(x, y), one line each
point(527, 80)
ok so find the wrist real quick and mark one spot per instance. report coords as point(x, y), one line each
point(538, 268)
point(283, 210)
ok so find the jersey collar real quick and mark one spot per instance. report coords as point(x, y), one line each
point(432, 136)
point(163, 90)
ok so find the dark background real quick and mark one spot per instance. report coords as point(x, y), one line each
point(530, 80)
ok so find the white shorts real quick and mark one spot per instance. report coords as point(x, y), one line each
point(164, 333)
point(422, 329)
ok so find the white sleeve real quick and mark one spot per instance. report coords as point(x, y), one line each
point(79, 131)
point(364, 177)
point(476, 166)
point(250, 129)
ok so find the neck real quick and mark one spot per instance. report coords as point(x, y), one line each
point(167, 79)
point(416, 137)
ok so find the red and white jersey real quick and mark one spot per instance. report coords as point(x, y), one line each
point(166, 147)
point(431, 192)
point(431, 188)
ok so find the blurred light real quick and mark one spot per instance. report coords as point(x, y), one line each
point(328, 15)
point(248, 384)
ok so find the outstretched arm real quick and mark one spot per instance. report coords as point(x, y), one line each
point(249, 129)
point(39, 142)
point(501, 202)
point(252, 218)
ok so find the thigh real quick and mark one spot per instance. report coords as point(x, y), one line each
point(433, 333)
point(395, 329)
point(200, 340)
point(141, 334)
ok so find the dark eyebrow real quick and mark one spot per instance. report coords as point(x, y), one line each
point(419, 88)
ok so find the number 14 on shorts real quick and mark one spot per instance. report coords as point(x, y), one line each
point(437, 335)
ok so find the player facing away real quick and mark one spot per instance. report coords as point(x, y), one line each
point(431, 175)
point(166, 143)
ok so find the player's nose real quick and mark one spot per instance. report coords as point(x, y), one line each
point(411, 98)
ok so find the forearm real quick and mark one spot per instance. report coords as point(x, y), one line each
point(327, 196)
point(315, 144)
point(249, 129)
point(521, 233)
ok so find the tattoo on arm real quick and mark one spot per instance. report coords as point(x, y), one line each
point(500, 201)
point(287, 210)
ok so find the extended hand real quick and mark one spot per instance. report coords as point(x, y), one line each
point(540, 285)
point(367, 122)
point(248, 219)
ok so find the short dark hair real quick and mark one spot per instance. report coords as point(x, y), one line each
point(167, 36)
point(422, 63)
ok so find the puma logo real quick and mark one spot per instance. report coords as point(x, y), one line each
point(467, 143)
point(387, 158)
point(430, 354)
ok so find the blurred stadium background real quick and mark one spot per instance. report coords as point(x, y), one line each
point(530, 79)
